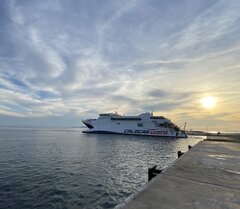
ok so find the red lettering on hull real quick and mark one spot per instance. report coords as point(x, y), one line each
point(157, 132)
point(146, 132)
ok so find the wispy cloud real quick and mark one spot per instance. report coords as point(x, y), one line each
point(72, 59)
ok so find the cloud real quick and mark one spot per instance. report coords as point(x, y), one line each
point(78, 58)
point(158, 93)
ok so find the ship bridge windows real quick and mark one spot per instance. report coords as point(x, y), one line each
point(140, 124)
point(160, 124)
point(105, 114)
point(125, 118)
point(157, 117)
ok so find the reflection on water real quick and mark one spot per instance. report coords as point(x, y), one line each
point(51, 168)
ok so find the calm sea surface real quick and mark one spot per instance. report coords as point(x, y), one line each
point(64, 168)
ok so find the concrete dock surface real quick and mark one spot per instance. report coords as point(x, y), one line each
point(207, 176)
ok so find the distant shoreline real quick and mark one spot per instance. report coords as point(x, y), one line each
point(215, 133)
point(194, 132)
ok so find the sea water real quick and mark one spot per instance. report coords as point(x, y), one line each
point(65, 168)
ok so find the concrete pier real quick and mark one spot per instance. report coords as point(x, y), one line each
point(207, 176)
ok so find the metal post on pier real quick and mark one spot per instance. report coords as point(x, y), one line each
point(180, 153)
point(153, 171)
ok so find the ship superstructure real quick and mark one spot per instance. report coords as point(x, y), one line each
point(144, 124)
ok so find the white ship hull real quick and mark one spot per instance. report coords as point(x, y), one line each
point(144, 124)
point(142, 132)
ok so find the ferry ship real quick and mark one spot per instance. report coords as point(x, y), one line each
point(145, 124)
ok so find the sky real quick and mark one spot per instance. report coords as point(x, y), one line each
point(66, 60)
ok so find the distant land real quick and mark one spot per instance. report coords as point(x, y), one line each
point(212, 133)
point(189, 132)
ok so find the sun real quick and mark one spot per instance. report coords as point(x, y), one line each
point(209, 102)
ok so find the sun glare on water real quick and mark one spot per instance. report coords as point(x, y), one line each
point(209, 102)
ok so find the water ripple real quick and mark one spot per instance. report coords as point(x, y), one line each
point(44, 168)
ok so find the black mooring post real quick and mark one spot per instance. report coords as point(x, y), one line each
point(180, 153)
point(189, 146)
point(152, 172)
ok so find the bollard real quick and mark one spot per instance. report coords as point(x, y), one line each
point(180, 153)
point(189, 146)
point(152, 172)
